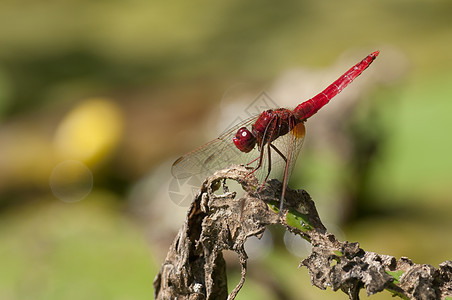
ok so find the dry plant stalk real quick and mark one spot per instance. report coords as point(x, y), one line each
point(195, 269)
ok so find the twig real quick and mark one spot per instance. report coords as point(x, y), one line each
point(195, 269)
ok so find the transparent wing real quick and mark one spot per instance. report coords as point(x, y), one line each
point(215, 155)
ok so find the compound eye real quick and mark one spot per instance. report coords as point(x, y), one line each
point(244, 140)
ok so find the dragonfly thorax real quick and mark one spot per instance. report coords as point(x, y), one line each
point(270, 125)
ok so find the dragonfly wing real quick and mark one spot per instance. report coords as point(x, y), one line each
point(289, 145)
point(215, 155)
point(297, 135)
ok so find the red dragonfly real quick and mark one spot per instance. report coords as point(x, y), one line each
point(264, 141)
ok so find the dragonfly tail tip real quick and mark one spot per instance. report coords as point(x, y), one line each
point(375, 53)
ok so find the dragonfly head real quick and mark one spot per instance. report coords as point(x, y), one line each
point(244, 140)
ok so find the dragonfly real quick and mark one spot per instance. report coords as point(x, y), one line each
point(268, 143)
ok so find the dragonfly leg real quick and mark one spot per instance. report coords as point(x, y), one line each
point(253, 161)
point(261, 158)
point(286, 169)
point(279, 152)
point(269, 164)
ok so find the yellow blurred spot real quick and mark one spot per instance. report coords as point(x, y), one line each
point(299, 131)
point(89, 132)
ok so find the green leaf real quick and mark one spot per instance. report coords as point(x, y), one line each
point(298, 220)
point(396, 275)
point(273, 206)
point(392, 289)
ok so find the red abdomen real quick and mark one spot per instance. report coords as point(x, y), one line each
point(311, 106)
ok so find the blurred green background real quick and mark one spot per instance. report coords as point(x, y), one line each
point(97, 99)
